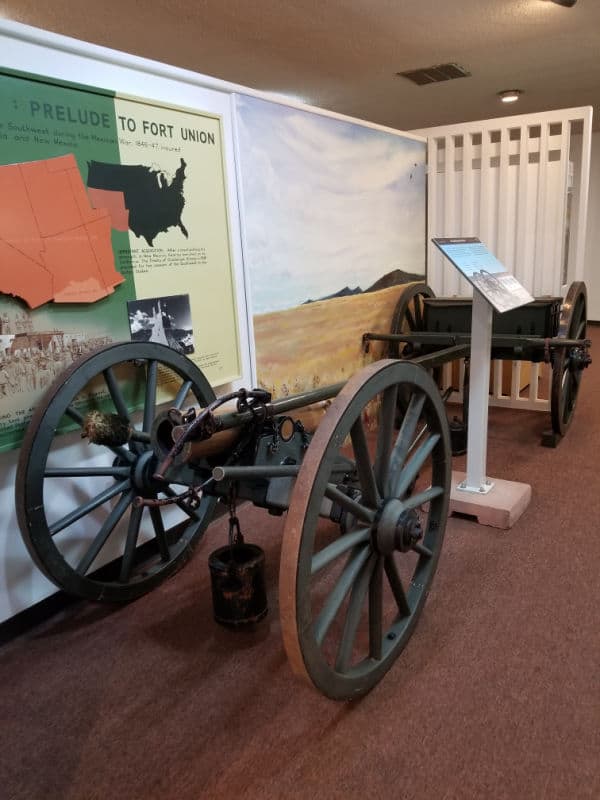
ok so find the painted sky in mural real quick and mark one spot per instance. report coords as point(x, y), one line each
point(327, 203)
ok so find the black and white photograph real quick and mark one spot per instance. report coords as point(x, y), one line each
point(31, 361)
point(165, 320)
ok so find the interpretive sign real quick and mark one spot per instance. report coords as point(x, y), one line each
point(104, 199)
point(483, 270)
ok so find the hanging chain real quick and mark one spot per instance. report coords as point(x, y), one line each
point(235, 532)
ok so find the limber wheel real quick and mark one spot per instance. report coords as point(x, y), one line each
point(568, 365)
point(351, 591)
point(408, 317)
point(75, 519)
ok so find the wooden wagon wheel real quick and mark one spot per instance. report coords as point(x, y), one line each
point(408, 317)
point(75, 519)
point(351, 593)
point(567, 364)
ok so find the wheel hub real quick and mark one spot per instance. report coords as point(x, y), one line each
point(579, 358)
point(142, 472)
point(395, 528)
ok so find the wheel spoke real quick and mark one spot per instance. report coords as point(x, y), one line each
point(116, 393)
point(422, 550)
point(420, 435)
point(376, 611)
point(338, 593)
point(418, 313)
point(410, 319)
point(391, 570)
point(150, 398)
point(406, 434)
point(123, 453)
point(133, 530)
point(140, 437)
point(159, 531)
point(74, 415)
point(348, 504)
point(409, 474)
point(86, 508)
point(105, 531)
point(420, 499)
point(87, 472)
point(363, 464)
point(353, 614)
point(182, 394)
point(338, 548)
point(384, 437)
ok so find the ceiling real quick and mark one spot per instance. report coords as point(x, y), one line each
point(343, 55)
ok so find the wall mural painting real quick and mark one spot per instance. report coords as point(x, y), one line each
point(104, 199)
point(333, 220)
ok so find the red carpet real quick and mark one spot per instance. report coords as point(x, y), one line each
point(496, 696)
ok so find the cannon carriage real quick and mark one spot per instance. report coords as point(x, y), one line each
point(365, 492)
point(549, 330)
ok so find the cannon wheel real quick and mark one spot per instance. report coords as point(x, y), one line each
point(566, 372)
point(75, 519)
point(408, 315)
point(350, 595)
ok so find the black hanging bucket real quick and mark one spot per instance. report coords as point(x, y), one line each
point(458, 437)
point(238, 584)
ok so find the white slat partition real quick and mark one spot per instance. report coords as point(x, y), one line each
point(506, 181)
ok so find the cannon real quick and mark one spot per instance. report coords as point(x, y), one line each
point(547, 330)
point(366, 494)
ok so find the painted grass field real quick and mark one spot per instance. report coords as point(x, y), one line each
point(320, 343)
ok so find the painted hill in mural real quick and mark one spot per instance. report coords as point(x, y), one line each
point(345, 292)
point(392, 278)
point(320, 343)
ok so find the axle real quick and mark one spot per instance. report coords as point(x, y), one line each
point(450, 339)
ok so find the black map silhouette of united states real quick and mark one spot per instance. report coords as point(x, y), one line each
point(154, 204)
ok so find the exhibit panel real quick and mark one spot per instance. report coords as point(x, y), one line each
point(107, 201)
point(172, 132)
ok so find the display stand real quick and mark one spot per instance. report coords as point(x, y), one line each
point(497, 503)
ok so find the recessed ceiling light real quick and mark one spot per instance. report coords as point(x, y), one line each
point(510, 95)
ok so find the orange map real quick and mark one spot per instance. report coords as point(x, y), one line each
point(53, 244)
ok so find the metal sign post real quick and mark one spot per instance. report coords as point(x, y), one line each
point(498, 503)
point(481, 346)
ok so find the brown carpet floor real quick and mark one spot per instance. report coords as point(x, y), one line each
point(496, 696)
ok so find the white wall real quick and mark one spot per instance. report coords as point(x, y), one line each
point(592, 246)
point(505, 180)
